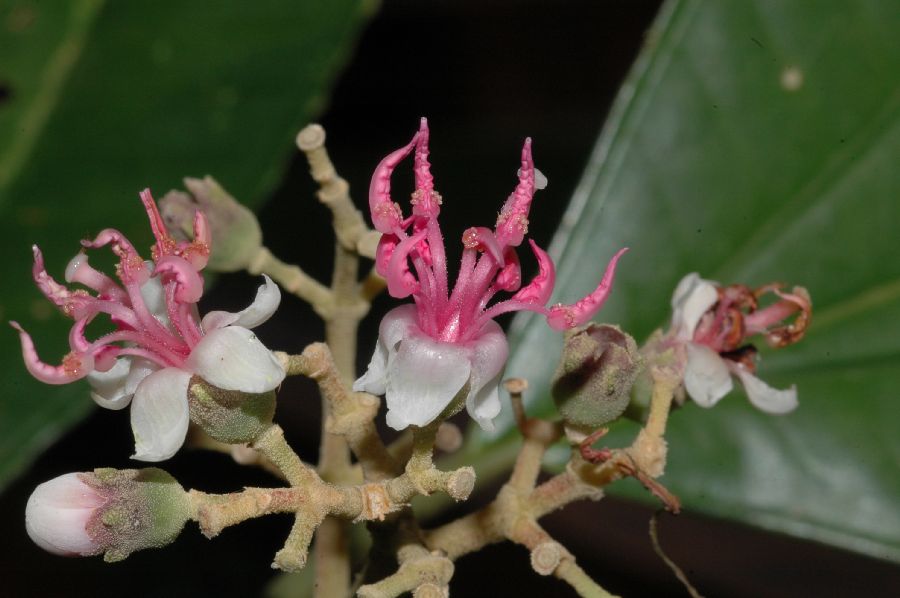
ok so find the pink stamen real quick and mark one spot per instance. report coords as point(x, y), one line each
point(188, 282)
point(401, 282)
point(386, 215)
point(509, 278)
point(72, 368)
point(562, 317)
point(540, 288)
point(425, 201)
point(512, 223)
point(80, 271)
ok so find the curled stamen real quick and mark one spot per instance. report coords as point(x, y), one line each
point(401, 282)
point(512, 222)
point(80, 271)
point(568, 316)
point(189, 283)
point(540, 288)
point(73, 366)
point(386, 215)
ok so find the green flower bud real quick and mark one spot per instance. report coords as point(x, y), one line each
point(236, 235)
point(230, 416)
point(592, 382)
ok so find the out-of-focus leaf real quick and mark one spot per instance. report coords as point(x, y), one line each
point(757, 141)
point(100, 100)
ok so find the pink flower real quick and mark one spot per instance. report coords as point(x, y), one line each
point(447, 341)
point(159, 341)
point(713, 325)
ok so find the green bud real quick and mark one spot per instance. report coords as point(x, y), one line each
point(236, 235)
point(592, 382)
point(656, 352)
point(230, 416)
point(144, 508)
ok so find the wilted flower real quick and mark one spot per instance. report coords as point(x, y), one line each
point(448, 342)
point(713, 323)
point(159, 341)
point(106, 511)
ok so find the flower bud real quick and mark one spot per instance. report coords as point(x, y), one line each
point(236, 235)
point(108, 511)
point(592, 382)
point(230, 416)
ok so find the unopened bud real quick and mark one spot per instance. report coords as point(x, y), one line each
point(236, 235)
point(107, 511)
point(592, 382)
point(230, 416)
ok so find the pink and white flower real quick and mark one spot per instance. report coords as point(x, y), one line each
point(59, 512)
point(712, 324)
point(447, 341)
point(159, 341)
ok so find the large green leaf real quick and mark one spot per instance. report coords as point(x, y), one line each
point(757, 141)
point(103, 99)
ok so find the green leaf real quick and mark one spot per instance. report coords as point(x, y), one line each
point(757, 141)
point(103, 99)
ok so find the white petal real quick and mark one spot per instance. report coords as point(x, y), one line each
point(159, 414)
point(57, 514)
point(232, 358)
point(692, 298)
point(395, 325)
point(423, 378)
point(764, 397)
point(268, 297)
point(706, 376)
point(108, 388)
point(489, 353)
point(114, 388)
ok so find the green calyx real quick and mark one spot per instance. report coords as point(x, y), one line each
point(145, 508)
point(592, 384)
point(232, 417)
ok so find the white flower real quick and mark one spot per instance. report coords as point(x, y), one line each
point(707, 375)
point(420, 376)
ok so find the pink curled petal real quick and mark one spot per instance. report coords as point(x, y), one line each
point(512, 223)
point(73, 367)
point(489, 354)
point(400, 281)
point(764, 397)
point(386, 246)
point(188, 280)
point(540, 288)
point(57, 516)
point(386, 215)
point(563, 317)
point(268, 297)
point(160, 415)
point(394, 327)
point(509, 278)
point(232, 358)
point(706, 376)
point(423, 379)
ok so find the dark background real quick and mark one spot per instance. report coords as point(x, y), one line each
point(486, 75)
